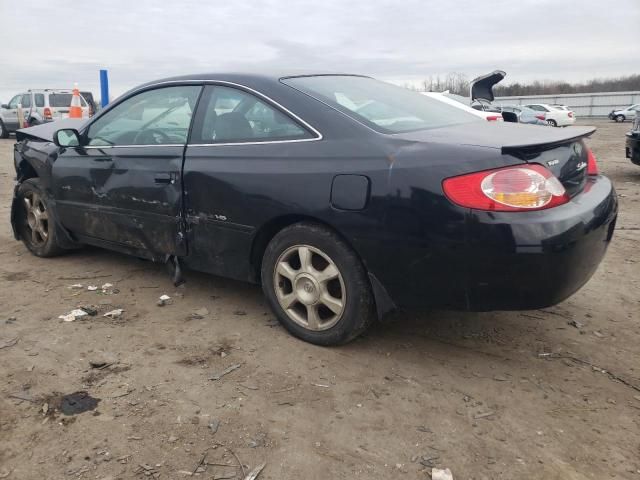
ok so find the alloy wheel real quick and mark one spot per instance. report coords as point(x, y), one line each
point(309, 287)
point(37, 218)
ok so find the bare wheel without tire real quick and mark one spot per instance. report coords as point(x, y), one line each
point(37, 220)
point(316, 285)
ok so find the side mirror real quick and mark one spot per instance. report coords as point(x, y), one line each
point(67, 137)
point(4, 105)
point(510, 117)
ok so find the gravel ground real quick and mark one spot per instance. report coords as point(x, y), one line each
point(551, 394)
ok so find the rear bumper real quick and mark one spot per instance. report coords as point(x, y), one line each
point(520, 261)
point(510, 260)
point(632, 148)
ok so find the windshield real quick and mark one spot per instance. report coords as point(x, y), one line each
point(384, 107)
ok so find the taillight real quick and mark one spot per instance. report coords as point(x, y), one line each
point(592, 165)
point(492, 118)
point(540, 116)
point(570, 114)
point(47, 113)
point(509, 189)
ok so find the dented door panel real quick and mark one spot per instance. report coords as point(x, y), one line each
point(126, 195)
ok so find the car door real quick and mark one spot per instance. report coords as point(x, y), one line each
point(123, 186)
point(239, 145)
point(10, 114)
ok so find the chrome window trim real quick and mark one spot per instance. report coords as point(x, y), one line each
point(133, 146)
point(309, 127)
point(294, 140)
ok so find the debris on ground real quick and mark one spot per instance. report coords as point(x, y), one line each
point(438, 474)
point(90, 309)
point(214, 425)
point(240, 313)
point(163, 300)
point(114, 313)
point(73, 315)
point(484, 415)
point(199, 313)
point(76, 286)
point(71, 404)
point(102, 360)
point(253, 474)
point(92, 288)
point(8, 343)
point(576, 324)
point(226, 371)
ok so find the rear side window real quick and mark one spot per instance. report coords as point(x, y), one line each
point(26, 100)
point(61, 100)
point(230, 115)
point(39, 99)
point(381, 106)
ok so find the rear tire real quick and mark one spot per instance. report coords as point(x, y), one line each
point(552, 123)
point(4, 133)
point(316, 285)
point(37, 220)
point(620, 118)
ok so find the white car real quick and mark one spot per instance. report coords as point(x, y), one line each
point(628, 113)
point(556, 116)
point(452, 100)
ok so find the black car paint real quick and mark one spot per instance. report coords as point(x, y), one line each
point(226, 201)
point(632, 147)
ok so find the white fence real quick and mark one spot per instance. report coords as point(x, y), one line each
point(583, 104)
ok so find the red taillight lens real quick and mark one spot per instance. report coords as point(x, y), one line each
point(510, 189)
point(592, 165)
point(570, 114)
point(47, 113)
point(540, 116)
point(492, 118)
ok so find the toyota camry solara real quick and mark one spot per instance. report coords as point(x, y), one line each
point(344, 196)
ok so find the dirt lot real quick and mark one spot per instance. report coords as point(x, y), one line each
point(497, 395)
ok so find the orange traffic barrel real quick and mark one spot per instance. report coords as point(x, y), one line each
point(75, 110)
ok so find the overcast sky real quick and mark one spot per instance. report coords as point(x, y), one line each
point(54, 43)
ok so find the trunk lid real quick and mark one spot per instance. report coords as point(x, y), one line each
point(561, 150)
point(482, 87)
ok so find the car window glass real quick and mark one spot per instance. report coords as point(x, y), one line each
point(39, 98)
point(155, 117)
point(233, 115)
point(26, 100)
point(381, 106)
point(15, 101)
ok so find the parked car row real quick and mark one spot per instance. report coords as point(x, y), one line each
point(41, 106)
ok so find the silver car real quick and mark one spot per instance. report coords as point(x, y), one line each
point(40, 106)
point(526, 115)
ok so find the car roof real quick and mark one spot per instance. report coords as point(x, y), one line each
point(250, 79)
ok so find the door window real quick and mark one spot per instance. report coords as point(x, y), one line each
point(155, 117)
point(39, 98)
point(15, 101)
point(231, 115)
point(26, 100)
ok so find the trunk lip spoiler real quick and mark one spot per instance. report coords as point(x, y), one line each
point(577, 133)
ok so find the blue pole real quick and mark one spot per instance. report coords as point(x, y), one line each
point(104, 88)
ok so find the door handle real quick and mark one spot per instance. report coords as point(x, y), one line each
point(163, 178)
point(102, 159)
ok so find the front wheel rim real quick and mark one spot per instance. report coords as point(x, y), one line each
point(309, 287)
point(37, 218)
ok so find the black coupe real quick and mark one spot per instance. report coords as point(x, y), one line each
point(342, 195)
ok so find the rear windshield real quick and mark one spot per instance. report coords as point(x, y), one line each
point(58, 100)
point(381, 106)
